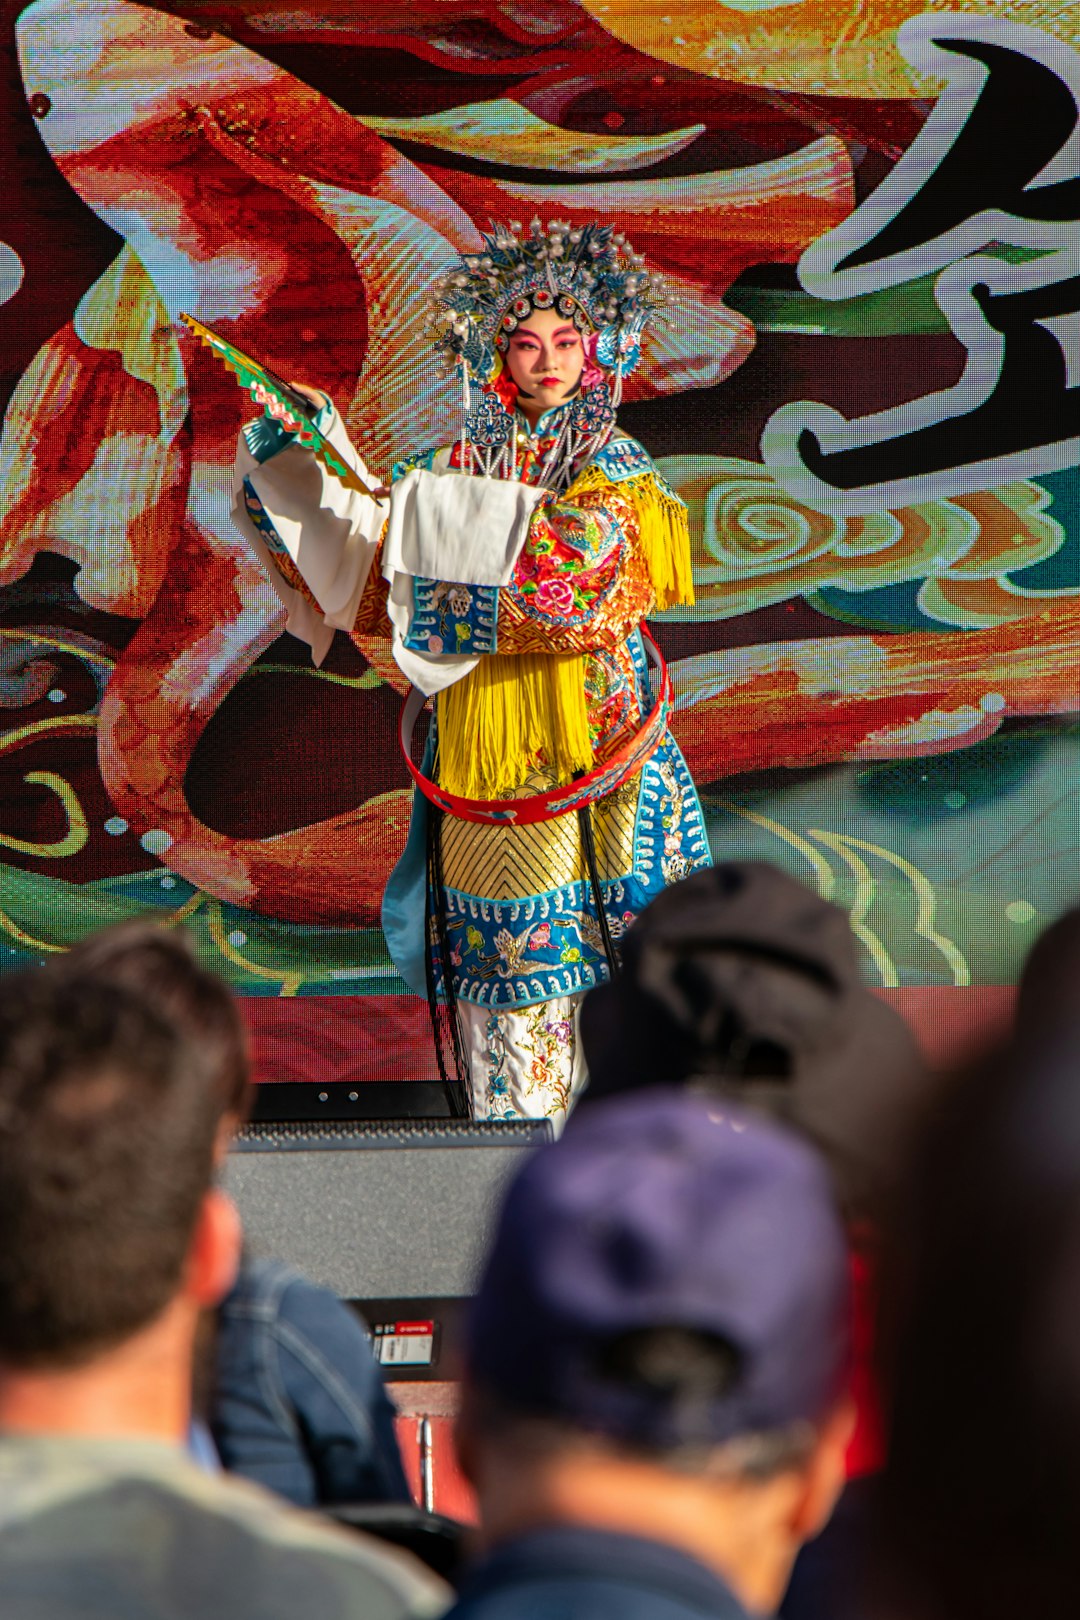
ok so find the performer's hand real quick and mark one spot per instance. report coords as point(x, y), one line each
point(313, 394)
point(382, 491)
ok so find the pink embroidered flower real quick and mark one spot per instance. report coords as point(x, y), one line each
point(455, 956)
point(554, 596)
point(435, 644)
point(540, 936)
point(671, 844)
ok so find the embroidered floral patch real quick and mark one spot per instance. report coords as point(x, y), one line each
point(570, 564)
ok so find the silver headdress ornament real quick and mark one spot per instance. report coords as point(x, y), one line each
point(590, 274)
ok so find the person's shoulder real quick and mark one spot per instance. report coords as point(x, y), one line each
point(149, 1521)
point(622, 458)
point(259, 1286)
point(310, 1307)
point(577, 1572)
point(370, 1577)
point(568, 1597)
point(271, 1291)
point(333, 1573)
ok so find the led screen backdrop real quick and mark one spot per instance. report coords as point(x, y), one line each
point(869, 396)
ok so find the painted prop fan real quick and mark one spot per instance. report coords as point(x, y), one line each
point(268, 390)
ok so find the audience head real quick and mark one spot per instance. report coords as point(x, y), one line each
point(160, 964)
point(108, 1128)
point(980, 1337)
point(1046, 992)
point(741, 982)
point(660, 1338)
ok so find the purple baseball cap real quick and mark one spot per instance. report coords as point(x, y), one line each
point(666, 1209)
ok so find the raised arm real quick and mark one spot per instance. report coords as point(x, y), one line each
point(316, 539)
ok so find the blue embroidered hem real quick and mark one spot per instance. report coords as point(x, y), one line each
point(513, 953)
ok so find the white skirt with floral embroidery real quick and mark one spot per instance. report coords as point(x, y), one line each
point(527, 1064)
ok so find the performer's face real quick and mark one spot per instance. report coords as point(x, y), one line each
point(545, 359)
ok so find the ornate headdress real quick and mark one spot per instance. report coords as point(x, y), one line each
point(588, 273)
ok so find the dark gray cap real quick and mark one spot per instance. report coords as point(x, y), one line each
point(741, 981)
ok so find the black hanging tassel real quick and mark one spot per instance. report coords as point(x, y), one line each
point(442, 1010)
point(588, 845)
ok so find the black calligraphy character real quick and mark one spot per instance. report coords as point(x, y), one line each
point(998, 162)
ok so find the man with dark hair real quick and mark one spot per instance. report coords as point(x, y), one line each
point(113, 1240)
point(294, 1398)
point(654, 1416)
point(160, 964)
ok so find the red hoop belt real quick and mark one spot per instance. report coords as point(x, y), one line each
point(583, 790)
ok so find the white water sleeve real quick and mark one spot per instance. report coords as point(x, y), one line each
point(330, 532)
point(450, 527)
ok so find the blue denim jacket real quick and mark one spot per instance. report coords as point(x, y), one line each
point(298, 1403)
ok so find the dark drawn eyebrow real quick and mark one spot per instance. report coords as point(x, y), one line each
point(560, 331)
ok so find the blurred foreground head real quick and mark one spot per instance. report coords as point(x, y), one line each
point(980, 1500)
point(661, 1334)
point(160, 964)
point(1046, 996)
point(108, 1128)
point(740, 982)
point(667, 1217)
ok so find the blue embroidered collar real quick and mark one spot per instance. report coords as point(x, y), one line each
point(547, 426)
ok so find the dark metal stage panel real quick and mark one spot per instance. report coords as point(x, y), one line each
point(378, 1211)
point(315, 1102)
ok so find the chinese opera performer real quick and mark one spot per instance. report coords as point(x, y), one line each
point(512, 572)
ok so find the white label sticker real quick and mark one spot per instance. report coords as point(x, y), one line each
point(405, 1343)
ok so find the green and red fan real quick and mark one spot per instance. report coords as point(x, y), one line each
point(258, 380)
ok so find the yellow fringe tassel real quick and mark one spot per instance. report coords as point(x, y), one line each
point(514, 711)
point(663, 532)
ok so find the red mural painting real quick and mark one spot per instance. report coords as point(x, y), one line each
point(295, 178)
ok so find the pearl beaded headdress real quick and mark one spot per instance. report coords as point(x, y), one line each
point(588, 273)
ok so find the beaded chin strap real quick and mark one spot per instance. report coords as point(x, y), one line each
point(588, 273)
